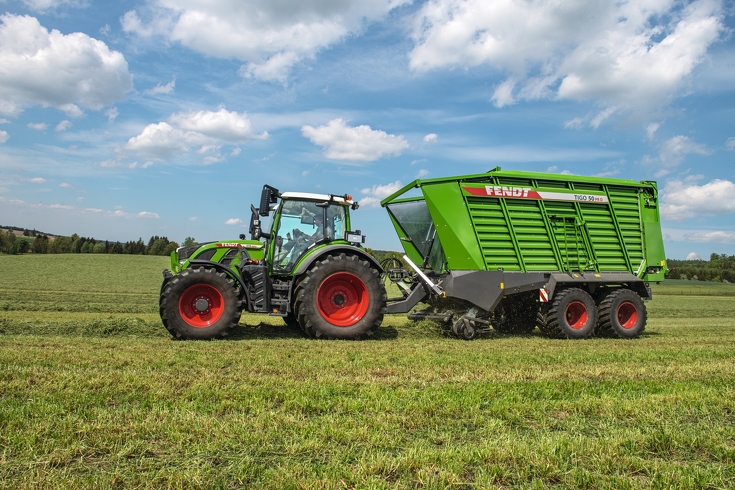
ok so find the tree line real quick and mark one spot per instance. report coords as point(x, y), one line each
point(42, 244)
point(719, 268)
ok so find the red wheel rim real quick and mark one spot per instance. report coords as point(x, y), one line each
point(201, 305)
point(627, 315)
point(576, 315)
point(342, 299)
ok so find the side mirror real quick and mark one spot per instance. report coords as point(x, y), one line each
point(268, 196)
point(255, 231)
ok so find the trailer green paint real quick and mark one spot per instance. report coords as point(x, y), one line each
point(548, 233)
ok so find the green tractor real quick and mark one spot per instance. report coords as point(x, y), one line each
point(309, 268)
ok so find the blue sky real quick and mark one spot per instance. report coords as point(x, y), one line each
point(128, 119)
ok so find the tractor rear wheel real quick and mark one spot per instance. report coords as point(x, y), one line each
point(622, 314)
point(200, 303)
point(340, 297)
point(572, 314)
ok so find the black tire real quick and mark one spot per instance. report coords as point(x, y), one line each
point(291, 321)
point(622, 314)
point(340, 297)
point(517, 314)
point(203, 288)
point(572, 314)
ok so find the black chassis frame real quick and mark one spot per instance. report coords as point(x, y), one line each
point(486, 289)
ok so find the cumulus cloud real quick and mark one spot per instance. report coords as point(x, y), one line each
point(354, 144)
point(624, 54)
point(730, 143)
point(422, 173)
point(374, 194)
point(162, 89)
point(681, 201)
point(270, 37)
point(694, 256)
point(148, 214)
point(60, 206)
point(4, 136)
point(235, 222)
point(44, 5)
point(63, 125)
point(48, 68)
point(431, 138)
point(38, 180)
point(204, 131)
point(38, 126)
point(672, 153)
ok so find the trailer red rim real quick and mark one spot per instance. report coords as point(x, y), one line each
point(342, 299)
point(576, 315)
point(201, 305)
point(627, 315)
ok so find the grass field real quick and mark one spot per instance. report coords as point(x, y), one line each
point(94, 393)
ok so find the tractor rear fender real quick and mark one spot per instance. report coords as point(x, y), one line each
point(336, 250)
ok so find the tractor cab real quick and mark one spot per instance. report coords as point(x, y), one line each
point(301, 223)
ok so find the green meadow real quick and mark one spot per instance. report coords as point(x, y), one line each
point(95, 394)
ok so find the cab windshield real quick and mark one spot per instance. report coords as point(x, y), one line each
point(301, 225)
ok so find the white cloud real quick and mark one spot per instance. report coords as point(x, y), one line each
point(710, 236)
point(41, 67)
point(112, 114)
point(193, 218)
point(376, 193)
point(235, 151)
point(44, 5)
point(672, 152)
point(38, 126)
point(681, 201)
point(4, 136)
point(651, 130)
point(269, 36)
point(60, 206)
point(162, 89)
point(730, 143)
point(162, 141)
point(431, 138)
point(354, 144)
point(63, 125)
point(93, 210)
point(235, 222)
point(624, 54)
point(575, 123)
point(148, 214)
point(422, 173)
point(694, 256)
point(38, 180)
point(66, 185)
point(202, 130)
point(4, 121)
point(221, 125)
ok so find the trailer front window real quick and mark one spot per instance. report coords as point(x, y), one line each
point(415, 219)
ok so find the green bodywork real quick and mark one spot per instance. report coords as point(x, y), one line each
point(531, 222)
point(228, 253)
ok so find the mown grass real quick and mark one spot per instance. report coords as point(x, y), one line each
point(102, 397)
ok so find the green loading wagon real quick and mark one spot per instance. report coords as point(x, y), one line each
point(515, 250)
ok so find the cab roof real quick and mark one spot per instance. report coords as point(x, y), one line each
point(317, 197)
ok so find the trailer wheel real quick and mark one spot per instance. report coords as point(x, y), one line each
point(571, 315)
point(340, 297)
point(200, 303)
point(622, 314)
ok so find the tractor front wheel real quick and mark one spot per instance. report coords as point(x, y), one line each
point(572, 314)
point(340, 297)
point(200, 303)
point(622, 314)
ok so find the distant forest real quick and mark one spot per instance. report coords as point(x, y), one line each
point(35, 242)
point(719, 268)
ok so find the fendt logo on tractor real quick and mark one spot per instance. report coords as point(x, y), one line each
point(475, 259)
